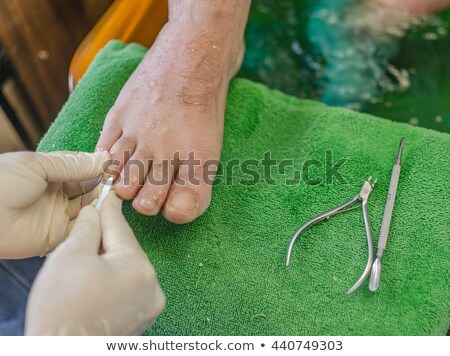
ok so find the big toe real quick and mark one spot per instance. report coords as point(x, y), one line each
point(183, 207)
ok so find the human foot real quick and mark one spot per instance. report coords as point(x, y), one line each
point(417, 7)
point(172, 108)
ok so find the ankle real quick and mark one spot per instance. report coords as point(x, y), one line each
point(220, 24)
point(220, 51)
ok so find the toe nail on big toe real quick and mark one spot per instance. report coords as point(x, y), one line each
point(183, 201)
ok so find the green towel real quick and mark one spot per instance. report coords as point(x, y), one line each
point(225, 273)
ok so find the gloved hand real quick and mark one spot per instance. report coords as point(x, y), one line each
point(37, 204)
point(80, 291)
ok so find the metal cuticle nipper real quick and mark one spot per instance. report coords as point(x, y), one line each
point(361, 197)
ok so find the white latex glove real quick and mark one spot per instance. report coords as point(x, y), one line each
point(36, 206)
point(82, 292)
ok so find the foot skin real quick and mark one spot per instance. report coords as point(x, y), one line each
point(172, 106)
point(417, 7)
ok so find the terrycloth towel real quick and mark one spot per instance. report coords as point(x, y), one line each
point(225, 273)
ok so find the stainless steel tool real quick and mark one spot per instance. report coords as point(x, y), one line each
point(362, 197)
point(107, 184)
point(389, 208)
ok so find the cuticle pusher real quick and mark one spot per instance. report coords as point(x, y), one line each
point(387, 216)
point(107, 185)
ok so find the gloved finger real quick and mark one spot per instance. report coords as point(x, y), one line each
point(67, 167)
point(70, 226)
point(117, 234)
point(76, 204)
point(158, 304)
point(86, 233)
point(74, 189)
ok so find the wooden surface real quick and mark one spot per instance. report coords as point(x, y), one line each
point(9, 140)
point(127, 21)
point(40, 37)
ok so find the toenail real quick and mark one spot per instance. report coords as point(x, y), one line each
point(134, 181)
point(183, 201)
point(147, 204)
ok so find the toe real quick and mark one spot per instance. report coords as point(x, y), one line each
point(120, 153)
point(133, 174)
point(190, 194)
point(182, 206)
point(110, 134)
point(154, 192)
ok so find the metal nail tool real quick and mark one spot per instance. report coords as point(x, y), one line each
point(361, 197)
point(376, 267)
point(107, 184)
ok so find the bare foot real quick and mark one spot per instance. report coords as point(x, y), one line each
point(378, 21)
point(173, 105)
point(417, 7)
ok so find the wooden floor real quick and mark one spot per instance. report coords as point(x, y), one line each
point(40, 38)
point(9, 140)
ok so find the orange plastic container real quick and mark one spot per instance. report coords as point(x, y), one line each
point(126, 20)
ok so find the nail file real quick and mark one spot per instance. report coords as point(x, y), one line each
point(107, 184)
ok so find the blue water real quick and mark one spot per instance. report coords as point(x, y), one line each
point(346, 54)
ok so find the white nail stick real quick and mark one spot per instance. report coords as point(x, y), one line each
point(107, 184)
